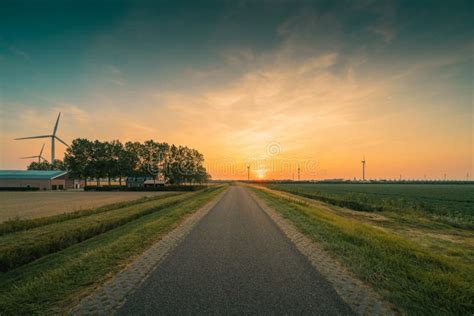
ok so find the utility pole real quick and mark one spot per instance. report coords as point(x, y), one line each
point(248, 172)
point(363, 169)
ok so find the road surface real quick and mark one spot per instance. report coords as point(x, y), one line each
point(235, 261)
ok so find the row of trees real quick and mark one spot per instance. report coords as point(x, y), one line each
point(87, 159)
point(96, 159)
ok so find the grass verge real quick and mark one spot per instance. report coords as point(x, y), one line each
point(54, 283)
point(416, 280)
point(25, 246)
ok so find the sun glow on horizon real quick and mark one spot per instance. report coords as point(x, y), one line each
point(260, 173)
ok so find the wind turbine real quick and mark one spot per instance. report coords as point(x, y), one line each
point(363, 169)
point(52, 136)
point(40, 156)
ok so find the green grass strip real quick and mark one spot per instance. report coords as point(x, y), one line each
point(15, 225)
point(415, 280)
point(52, 284)
point(22, 247)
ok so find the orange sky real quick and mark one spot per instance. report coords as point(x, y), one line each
point(298, 87)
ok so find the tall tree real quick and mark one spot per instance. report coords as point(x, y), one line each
point(78, 159)
point(126, 163)
point(99, 160)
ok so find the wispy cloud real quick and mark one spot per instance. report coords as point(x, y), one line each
point(118, 82)
point(114, 69)
point(326, 87)
point(20, 53)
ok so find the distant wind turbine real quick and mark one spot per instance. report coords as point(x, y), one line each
point(52, 136)
point(40, 156)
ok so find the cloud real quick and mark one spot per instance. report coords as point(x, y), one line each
point(118, 82)
point(18, 52)
point(116, 74)
point(318, 62)
point(114, 69)
point(322, 92)
point(384, 24)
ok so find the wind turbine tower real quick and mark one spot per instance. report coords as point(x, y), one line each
point(363, 169)
point(52, 136)
point(299, 170)
point(248, 172)
point(40, 156)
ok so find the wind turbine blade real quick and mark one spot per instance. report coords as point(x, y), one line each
point(31, 137)
point(29, 157)
point(62, 141)
point(41, 151)
point(56, 125)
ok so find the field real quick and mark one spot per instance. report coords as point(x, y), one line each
point(418, 256)
point(70, 254)
point(21, 205)
point(450, 203)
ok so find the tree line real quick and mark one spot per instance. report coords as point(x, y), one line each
point(86, 159)
point(46, 165)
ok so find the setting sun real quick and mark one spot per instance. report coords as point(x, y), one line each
point(260, 173)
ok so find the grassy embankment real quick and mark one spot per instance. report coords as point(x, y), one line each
point(404, 270)
point(54, 282)
point(18, 224)
point(21, 247)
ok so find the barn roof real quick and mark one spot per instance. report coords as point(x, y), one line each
point(30, 174)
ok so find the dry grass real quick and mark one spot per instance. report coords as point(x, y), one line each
point(22, 205)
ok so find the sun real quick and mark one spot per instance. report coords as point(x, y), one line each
point(260, 173)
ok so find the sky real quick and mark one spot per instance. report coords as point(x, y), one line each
point(276, 84)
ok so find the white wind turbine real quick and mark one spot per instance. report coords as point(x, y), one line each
point(52, 136)
point(40, 156)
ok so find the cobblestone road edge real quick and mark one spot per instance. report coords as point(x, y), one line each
point(362, 299)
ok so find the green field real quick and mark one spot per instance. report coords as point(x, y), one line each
point(421, 264)
point(453, 203)
point(49, 264)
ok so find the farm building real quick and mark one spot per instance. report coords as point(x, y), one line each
point(41, 179)
point(144, 182)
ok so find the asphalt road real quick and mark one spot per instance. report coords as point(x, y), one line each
point(235, 261)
